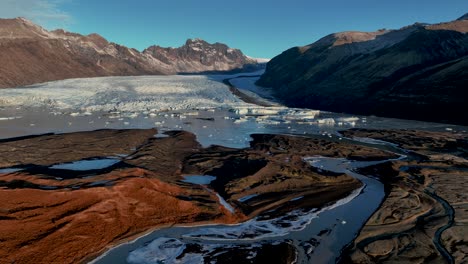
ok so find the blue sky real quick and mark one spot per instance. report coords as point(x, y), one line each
point(260, 28)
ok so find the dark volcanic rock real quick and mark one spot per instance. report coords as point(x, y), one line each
point(31, 54)
point(417, 72)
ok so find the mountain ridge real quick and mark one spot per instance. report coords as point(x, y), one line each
point(417, 72)
point(32, 54)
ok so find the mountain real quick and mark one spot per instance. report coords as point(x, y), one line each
point(416, 72)
point(31, 54)
point(198, 55)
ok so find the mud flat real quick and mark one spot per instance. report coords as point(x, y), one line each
point(423, 218)
point(53, 212)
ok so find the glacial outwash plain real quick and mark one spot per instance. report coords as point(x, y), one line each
point(201, 154)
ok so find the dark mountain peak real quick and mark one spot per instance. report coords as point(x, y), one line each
point(195, 41)
point(197, 55)
point(198, 44)
point(464, 17)
point(381, 73)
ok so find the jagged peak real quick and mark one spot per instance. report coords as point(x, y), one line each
point(195, 40)
point(20, 20)
point(95, 35)
point(464, 17)
point(63, 33)
point(192, 41)
point(21, 27)
point(23, 19)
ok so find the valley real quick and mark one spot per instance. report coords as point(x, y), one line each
point(351, 149)
point(267, 166)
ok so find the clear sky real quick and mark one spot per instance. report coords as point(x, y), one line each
point(260, 28)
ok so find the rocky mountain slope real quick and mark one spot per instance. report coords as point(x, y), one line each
point(416, 72)
point(31, 54)
point(199, 55)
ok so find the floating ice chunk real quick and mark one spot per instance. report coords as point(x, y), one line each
point(326, 121)
point(240, 120)
point(348, 119)
point(343, 222)
point(242, 111)
point(264, 111)
point(132, 115)
point(10, 118)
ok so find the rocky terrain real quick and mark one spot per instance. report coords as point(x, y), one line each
point(31, 54)
point(197, 55)
point(416, 72)
point(423, 218)
point(69, 215)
